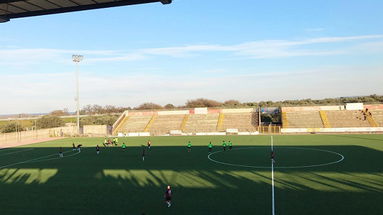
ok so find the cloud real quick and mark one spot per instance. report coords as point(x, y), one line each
point(129, 57)
point(44, 93)
point(52, 87)
point(25, 57)
point(265, 48)
point(262, 49)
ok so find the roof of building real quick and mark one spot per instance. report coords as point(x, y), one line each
point(10, 9)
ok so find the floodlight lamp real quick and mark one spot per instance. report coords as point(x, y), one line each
point(77, 58)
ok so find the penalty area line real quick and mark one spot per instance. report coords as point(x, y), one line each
point(15, 152)
point(33, 160)
point(55, 158)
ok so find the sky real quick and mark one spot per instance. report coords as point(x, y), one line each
point(246, 50)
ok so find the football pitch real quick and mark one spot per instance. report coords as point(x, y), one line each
point(313, 174)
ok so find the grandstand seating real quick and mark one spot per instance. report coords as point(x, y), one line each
point(164, 123)
point(202, 123)
point(378, 116)
point(135, 124)
point(324, 118)
point(347, 118)
point(242, 121)
point(303, 119)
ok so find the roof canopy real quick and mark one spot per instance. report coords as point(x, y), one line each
point(10, 9)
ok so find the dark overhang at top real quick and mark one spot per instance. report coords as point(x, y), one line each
point(10, 9)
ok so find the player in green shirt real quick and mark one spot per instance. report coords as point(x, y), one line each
point(230, 145)
point(123, 146)
point(189, 146)
point(210, 147)
point(224, 145)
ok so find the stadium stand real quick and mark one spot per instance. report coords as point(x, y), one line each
point(242, 121)
point(202, 123)
point(135, 123)
point(324, 118)
point(165, 123)
point(150, 123)
point(377, 115)
point(184, 121)
point(303, 119)
point(285, 123)
point(347, 118)
point(352, 117)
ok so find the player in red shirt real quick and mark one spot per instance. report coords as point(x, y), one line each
point(168, 196)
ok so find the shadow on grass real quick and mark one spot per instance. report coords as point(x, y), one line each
point(117, 181)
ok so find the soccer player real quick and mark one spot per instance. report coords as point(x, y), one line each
point(149, 143)
point(143, 153)
point(224, 145)
point(189, 146)
point(105, 142)
point(73, 147)
point(116, 141)
point(273, 156)
point(210, 147)
point(61, 154)
point(97, 149)
point(79, 147)
point(123, 146)
point(230, 145)
point(168, 196)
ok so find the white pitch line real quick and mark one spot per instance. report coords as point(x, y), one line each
point(55, 158)
point(28, 161)
point(10, 153)
point(281, 167)
point(272, 181)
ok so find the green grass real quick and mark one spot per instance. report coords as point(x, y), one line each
point(119, 182)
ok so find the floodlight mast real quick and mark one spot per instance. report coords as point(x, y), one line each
point(77, 59)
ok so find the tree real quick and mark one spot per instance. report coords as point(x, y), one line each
point(107, 109)
point(12, 127)
point(50, 122)
point(149, 106)
point(169, 106)
point(59, 113)
point(232, 103)
point(201, 102)
point(99, 120)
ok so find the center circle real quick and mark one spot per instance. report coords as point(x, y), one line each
point(286, 157)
